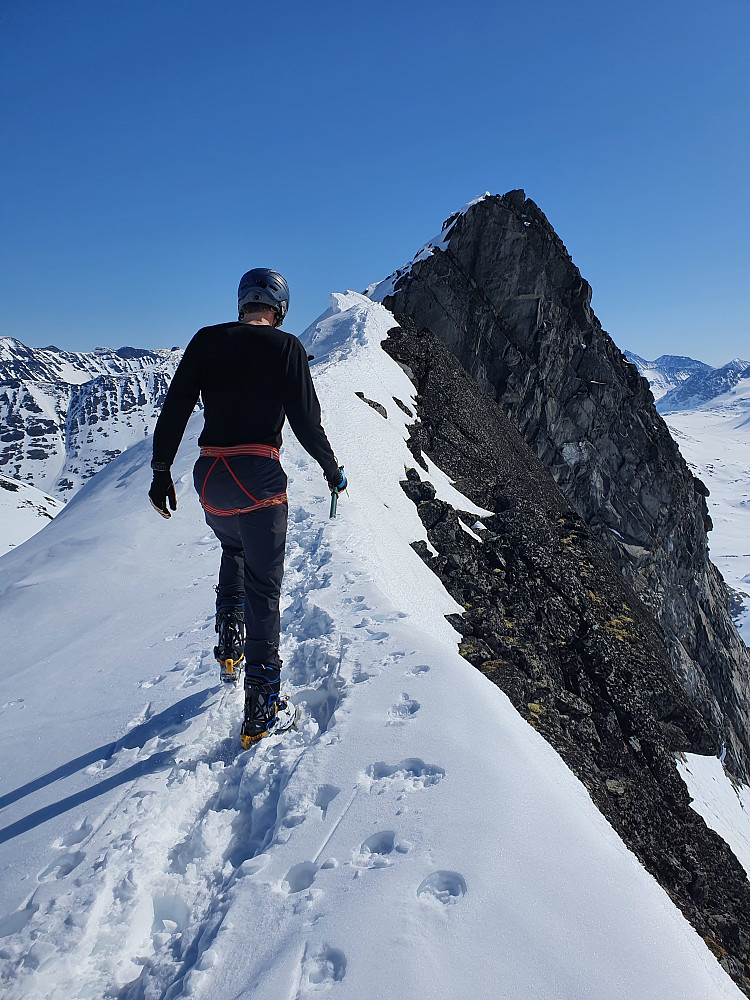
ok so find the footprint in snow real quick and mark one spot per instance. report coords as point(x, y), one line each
point(444, 886)
point(420, 668)
point(407, 775)
point(76, 835)
point(376, 851)
point(151, 682)
point(405, 709)
point(358, 675)
point(194, 667)
point(359, 600)
point(322, 969)
point(61, 866)
point(325, 796)
point(209, 540)
point(300, 877)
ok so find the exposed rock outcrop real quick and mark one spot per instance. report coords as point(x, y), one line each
point(550, 619)
point(501, 291)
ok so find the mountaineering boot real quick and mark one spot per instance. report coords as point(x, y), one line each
point(230, 648)
point(265, 710)
point(261, 708)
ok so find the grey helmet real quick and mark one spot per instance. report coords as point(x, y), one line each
point(266, 286)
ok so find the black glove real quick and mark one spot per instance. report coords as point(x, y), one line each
point(162, 489)
point(339, 481)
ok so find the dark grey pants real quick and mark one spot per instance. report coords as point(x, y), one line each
point(252, 547)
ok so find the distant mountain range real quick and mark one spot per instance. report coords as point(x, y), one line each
point(680, 383)
point(667, 372)
point(65, 415)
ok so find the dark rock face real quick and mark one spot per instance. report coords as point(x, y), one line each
point(550, 619)
point(507, 300)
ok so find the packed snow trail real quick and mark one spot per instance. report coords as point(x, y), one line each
point(413, 836)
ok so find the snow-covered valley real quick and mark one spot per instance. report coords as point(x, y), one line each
point(715, 441)
point(413, 836)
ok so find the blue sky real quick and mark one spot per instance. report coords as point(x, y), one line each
point(155, 150)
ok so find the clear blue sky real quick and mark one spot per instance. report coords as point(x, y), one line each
point(156, 149)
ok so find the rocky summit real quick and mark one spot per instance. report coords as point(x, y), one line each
point(499, 289)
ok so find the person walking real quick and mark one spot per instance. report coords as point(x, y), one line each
point(251, 376)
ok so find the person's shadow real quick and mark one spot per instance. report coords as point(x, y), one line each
point(171, 721)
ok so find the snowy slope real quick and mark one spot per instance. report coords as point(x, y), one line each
point(24, 510)
point(724, 805)
point(413, 837)
point(715, 440)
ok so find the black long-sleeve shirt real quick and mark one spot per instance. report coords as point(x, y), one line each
point(250, 378)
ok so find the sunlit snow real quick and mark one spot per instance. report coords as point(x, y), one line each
point(412, 837)
point(715, 441)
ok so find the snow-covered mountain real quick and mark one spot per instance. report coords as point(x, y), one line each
point(705, 386)
point(49, 364)
point(24, 510)
point(668, 371)
point(413, 837)
point(65, 415)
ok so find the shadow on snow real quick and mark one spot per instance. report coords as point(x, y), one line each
point(171, 721)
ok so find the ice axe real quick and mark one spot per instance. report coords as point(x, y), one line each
point(335, 490)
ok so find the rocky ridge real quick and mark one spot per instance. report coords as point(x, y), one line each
point(550, 619)
point(502, 293)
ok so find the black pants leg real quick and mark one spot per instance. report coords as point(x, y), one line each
point(231, 588)
point(253, 548)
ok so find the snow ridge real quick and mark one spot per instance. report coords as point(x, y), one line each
point(414, 836)
point(379, 290)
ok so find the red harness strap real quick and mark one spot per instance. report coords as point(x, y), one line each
point(262, 450)
point(221, 455)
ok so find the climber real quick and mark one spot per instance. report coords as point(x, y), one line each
point(250, 375)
